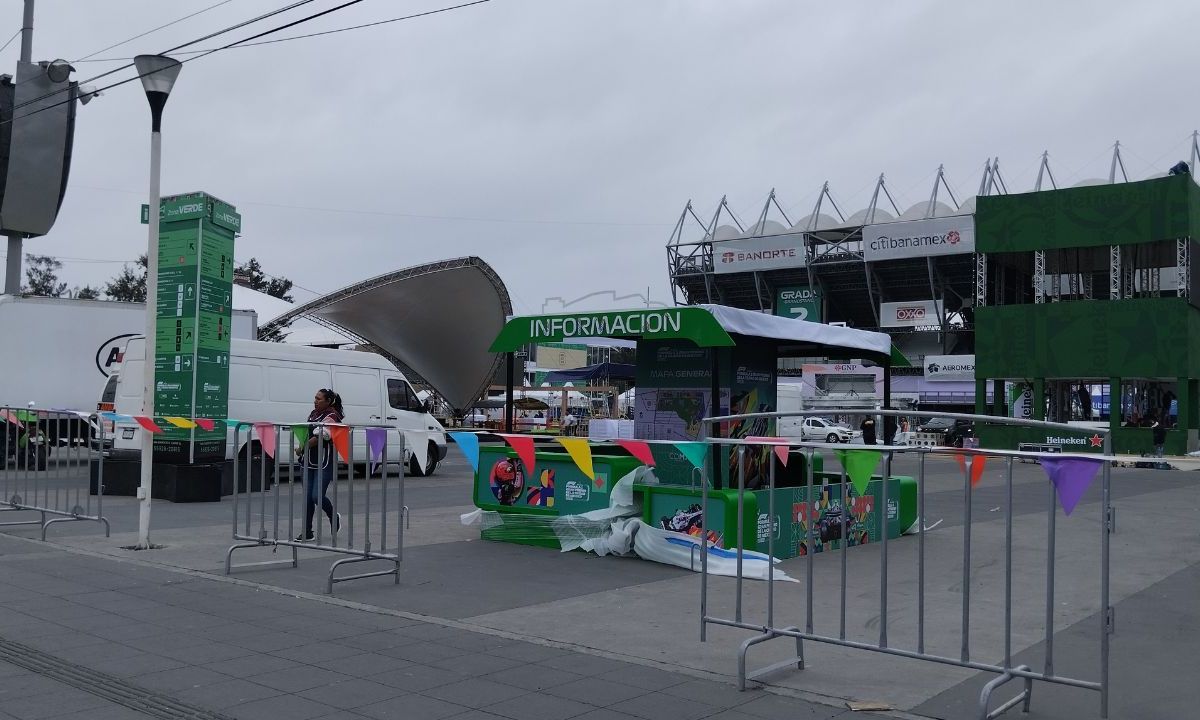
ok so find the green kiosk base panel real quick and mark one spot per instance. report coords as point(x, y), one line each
point(528, 505)
point(678, 508)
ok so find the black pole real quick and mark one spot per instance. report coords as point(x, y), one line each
point(889, 423)
point(508, 391)
point(715, 411)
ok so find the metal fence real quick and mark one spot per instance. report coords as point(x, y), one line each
point(365, 498)
point(807, 629)
point(47, 465)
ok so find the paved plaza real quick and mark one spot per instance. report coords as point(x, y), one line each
point(480, 629)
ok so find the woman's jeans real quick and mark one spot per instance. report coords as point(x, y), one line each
point(313, 495)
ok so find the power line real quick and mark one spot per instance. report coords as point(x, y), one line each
point(14, 37)
point(154, 30)
point(197, 57)
point(177, 47)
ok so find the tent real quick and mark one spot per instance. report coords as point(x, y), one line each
point(600, 371)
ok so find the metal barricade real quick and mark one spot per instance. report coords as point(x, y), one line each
point(362, 501)
point(48, 459)
point(769, 629)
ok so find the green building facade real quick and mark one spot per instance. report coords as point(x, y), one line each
point(1088, 292)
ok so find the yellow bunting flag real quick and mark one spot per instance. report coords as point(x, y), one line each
point(180, 422)
point(581, 453)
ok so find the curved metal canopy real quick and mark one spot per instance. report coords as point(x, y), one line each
point(435, 322)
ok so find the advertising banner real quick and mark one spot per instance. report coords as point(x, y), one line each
point(767, 252)
point(1020, 400)
point(946, 368)
point(915, 313)
point(799, 303)
point(954, 235)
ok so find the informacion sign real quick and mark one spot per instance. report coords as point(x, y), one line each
point(194, 317)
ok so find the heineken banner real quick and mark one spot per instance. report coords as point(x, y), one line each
point(799, 303)
point(194, 312)
point(767, 252)
point(940, 368)
point(954, 235)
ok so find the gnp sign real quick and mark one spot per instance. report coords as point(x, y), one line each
point(916, 313)
point(768, 252)
point(953, 235)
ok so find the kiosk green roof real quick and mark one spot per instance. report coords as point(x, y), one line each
point(702, 325)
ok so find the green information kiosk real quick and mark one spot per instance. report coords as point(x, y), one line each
point(194, 315)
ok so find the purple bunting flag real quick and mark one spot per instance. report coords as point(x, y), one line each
point(1071, 478)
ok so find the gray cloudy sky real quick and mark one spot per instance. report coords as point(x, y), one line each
point(560, 139)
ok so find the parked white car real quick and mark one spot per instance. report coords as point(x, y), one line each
point(817, 429)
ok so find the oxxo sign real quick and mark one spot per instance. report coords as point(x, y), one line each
point(799, 303)
point(916, 313)
point(954, 235)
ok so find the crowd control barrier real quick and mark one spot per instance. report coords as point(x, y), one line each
point(44, 469)
point(806, 627)
point(366, 493)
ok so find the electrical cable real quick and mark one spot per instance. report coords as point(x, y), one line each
point(229, 46)
point(177, 47)
point(14, 37)
point(154, 30)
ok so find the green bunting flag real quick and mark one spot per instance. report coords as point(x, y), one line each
point(859, 464)
point(693, 451)
point(301, 434)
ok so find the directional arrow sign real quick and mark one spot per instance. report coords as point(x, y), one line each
point(190, 289)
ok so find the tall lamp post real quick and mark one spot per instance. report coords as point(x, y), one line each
point(158, 74)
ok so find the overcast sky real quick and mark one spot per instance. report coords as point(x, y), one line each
point(560, 139)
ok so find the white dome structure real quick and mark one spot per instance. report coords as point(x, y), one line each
point(966, 207)
point(726, 232)
point(1090, 181)
point(868, 217)
point(770, 227)
point(820, 221)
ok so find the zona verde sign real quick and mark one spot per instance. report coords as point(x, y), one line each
point(683, 323)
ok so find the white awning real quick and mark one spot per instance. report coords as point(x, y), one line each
point(802, 332)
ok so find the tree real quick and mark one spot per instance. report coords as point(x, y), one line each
point(41, 276)
point(128, 286)
point(87, 292)
point(251, 275)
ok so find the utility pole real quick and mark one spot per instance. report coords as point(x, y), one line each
point(12, 274)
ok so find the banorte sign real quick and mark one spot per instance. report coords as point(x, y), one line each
point(768, 252)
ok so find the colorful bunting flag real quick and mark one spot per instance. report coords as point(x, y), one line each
point(376, 442)
point(9, 417)
point(265, 432)
point(147, 423)
point(859, 464)
point(180, 422)
point(339, 435)
point(693, 451)
point(524, 447)
point(639, 449)
point(580, 452)
point(301, 433)
point(977, 463)
point(205, 424)
point(1071, 478)
point(782, 449)
point(469, 444)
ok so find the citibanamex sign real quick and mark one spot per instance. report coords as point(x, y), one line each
point(951, 235)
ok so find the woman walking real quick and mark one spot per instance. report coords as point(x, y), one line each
point(317, 460)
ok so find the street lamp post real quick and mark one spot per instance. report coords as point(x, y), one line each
point(158, 74)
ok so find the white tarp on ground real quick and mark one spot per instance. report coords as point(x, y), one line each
point(756, 324)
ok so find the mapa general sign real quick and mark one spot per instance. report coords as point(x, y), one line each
point(768, 252)
point(949, 367)
point(953, 235)
point(916, 313)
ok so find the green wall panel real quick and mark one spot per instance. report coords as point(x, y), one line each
point(1147, 337)
point(1092, 216)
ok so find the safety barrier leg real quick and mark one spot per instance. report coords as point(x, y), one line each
point(1023, 698)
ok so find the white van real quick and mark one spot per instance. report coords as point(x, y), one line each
point(275, 382)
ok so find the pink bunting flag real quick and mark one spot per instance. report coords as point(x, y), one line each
point(639, 449)
point(524, 447)
point(265, 432)
point(147, 423)
point(205, 424)
point(1071, 478)
point(977, 463)
point(782, 449)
